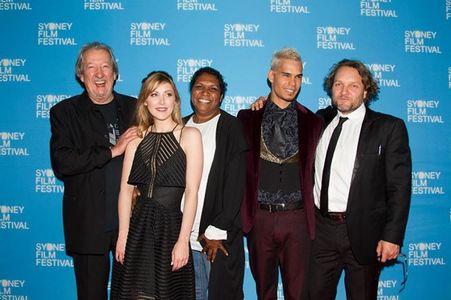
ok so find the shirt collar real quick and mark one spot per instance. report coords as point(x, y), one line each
point(271, 106)
point(356, 115)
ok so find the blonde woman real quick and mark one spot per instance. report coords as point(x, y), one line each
point(153, 257)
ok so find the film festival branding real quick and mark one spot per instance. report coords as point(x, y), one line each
point(288, 7)
point(333, 38)
point(14, 5)
point(45, 102)
point(424, 111)
point(426, 183)
point(46, 182)
point(102, 5)
point(381, 72)
point(148, 34)
point(242, 35)
point(10, 142)
point(11, 70)
point(324, 102)
point(417, 41)
point(12, 218)
point(196, 5)
point(377, 8)
point(305, 78)
point(448, 9)
point(187, 66)
point(12, 289)
point(55, 34)
point(388, 289)
point(425, 254)
point(50, 255)
point(119, 77)
point(233, 104)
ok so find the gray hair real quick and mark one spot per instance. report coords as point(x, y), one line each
point(97, 46)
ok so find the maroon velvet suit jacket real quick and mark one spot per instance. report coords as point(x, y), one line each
point(310, 126)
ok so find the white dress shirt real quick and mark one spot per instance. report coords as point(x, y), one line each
point(343, 159)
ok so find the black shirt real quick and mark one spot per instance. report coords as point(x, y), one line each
point(112, 168)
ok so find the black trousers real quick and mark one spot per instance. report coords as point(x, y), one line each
point(331, 254)
point(92, 271)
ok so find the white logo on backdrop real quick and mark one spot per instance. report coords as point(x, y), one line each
point(381, 72)
point(10, 70)
point(55, 34)
point(102, 5)
point(377, 8)
point(426, 183)
point(333, 38)
point(14, 5)
point(46, 182)
point(423, 111)
point(417, 41)
point(8, 144)
point(187, 66)
point(52, 255)
point(425, 254)
point(148, 34)
point(45, 102)
point(287, 7)
point(12, 218)
point(242, 35)
point(196, 5)
point(12, 289)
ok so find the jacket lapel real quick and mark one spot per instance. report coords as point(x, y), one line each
point(256, 138)
point(364, 138)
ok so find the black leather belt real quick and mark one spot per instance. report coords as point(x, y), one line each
point(336, 216)
point(280, 206)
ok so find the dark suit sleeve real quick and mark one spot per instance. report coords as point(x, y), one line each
point(234, 178)
point(68, 157)
point(398, 166)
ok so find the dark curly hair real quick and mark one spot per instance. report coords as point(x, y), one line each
point(369, 83)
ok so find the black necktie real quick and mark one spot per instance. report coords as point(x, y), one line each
point(324, 198)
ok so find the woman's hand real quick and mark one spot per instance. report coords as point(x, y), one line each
point(120, 248)
point(180, 255)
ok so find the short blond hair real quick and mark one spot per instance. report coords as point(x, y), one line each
point(284, 53)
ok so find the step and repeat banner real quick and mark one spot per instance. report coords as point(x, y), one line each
point(406, 44)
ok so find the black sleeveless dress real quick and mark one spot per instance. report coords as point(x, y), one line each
point(158, 170)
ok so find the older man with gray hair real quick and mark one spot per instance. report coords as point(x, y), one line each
point(89, 136)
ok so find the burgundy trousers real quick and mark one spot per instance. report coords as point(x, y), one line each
point(279, 240)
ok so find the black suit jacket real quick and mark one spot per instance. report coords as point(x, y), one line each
point(379, 195)
point(79, 151)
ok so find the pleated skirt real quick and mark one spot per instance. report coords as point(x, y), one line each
point(147, 271)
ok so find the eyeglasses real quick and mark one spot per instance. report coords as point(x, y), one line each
point(402, 259)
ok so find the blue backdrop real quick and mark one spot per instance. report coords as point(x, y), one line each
point(405, 43)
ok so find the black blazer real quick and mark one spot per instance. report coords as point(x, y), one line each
point(79, 152)
point(379, 196)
